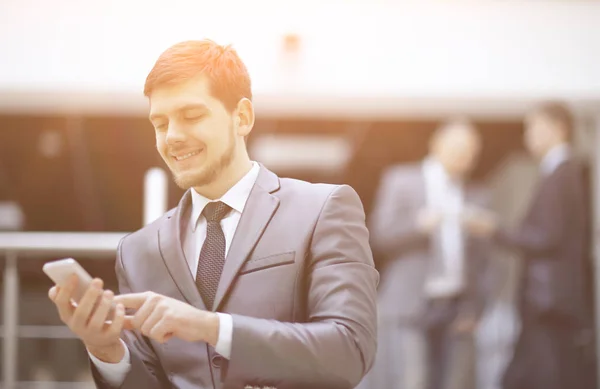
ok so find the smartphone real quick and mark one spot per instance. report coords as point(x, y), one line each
point(60, 270)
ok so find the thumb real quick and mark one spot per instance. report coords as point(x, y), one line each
point(53, 292)
point(131, 300)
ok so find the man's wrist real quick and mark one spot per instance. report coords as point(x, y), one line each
point(209, 328)
point(109, 354)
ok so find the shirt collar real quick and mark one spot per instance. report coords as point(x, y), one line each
point(433, 167)
point(554, 158)
point(235, 197)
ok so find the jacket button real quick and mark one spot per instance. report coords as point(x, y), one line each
point(216, 361)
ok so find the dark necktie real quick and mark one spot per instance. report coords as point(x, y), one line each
point(212, 255)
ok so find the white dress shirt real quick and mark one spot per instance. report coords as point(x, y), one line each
point(554, 158)
point(446, 196)
point(192, 240)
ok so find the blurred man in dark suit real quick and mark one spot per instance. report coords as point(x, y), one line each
point(551, 239)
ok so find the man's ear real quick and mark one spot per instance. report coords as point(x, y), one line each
point(244, 118)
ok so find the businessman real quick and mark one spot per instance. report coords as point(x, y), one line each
point(434, 283)
point(252, 280)
point(551, 239)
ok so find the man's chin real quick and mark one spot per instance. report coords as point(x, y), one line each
point(189, 180)
point(185, 182)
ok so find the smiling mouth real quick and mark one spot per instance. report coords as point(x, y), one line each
point(186, 156)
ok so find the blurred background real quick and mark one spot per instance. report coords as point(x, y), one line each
point(343, 90)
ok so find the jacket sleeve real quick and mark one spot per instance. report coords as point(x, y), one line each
point(336, 346)
point(145, 371)
point(393, 223)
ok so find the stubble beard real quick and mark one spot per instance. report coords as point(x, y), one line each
point(206, 175)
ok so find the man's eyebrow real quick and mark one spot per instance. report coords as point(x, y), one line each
point(186, 107)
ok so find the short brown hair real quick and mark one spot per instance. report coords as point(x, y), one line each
point(559, 113)
point(229, 78)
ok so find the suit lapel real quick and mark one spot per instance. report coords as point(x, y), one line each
point(259, 209)
point(171, 250)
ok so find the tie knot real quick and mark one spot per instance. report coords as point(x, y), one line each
point(214, 212)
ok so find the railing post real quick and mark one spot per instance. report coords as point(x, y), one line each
point(156, 187)
point(595, 192)
point(11, 321)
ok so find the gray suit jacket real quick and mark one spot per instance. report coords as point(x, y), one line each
point(407, 252)
point(299, 281)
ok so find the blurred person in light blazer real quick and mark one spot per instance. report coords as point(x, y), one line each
point(435, 280)
point(252, 280)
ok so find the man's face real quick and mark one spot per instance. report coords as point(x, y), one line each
point(458, 151)
point(540, 134)
point(194, 132)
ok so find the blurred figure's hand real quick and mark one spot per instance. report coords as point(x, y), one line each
point(480, 222)
point(89, 319)
point(464, 325)
point(428, 220)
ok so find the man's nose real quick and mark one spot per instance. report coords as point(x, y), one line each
point(175, 134)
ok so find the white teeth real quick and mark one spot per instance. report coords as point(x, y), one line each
point(185, 156)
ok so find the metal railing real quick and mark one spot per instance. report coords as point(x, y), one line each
point(16, 246)
point(22, 245)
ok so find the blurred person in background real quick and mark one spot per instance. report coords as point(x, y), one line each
point(433, 286)
point(551, 240)
point(252, 279)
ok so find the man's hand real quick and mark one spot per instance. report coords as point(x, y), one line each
point(428, 220)
point(480, 222)
point(159, 317)
point(89, 319)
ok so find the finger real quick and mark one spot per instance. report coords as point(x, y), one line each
point(99, 316)
point(132, 300)
point(62, 299)
point(161, 331)
point(86, 305)
point(151, 322)
point(117, 325)
point(64, 293)
point(128, 322)
point(142, 314)
point(53, 292)
point(92, 293)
